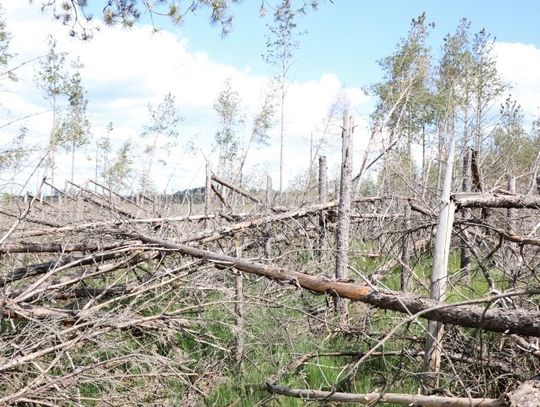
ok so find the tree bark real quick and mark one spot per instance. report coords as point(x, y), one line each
point(323, 194)
point(492, 200)
point(385, 398)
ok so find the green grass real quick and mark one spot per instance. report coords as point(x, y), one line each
point(277, 335)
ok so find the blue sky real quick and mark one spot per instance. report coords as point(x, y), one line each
point(348, 37)
point(125, 70)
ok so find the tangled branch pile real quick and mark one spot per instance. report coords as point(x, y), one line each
point(116, 302)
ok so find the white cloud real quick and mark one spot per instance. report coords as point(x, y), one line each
point(520, 65)
point(124, 70)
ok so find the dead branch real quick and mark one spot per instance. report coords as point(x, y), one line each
point(395, 398)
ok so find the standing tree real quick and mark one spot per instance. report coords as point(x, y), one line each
point(513, 150)
point(281, 44)
point(164, 121)
point(404, 107)
point(52, 79)
point(230, 116)
point(74, 129)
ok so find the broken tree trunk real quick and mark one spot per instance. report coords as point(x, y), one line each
point(344, 212)
point(439, 270)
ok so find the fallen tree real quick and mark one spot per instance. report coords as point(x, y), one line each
point(466, 314)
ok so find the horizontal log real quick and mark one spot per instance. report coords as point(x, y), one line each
point(62, 248)
point(515, 321)
point(386, 398)
point(472, 200)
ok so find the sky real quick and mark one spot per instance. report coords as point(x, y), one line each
point(125, 70)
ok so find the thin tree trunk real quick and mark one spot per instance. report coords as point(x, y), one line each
point(424, 173)
point(207, 193)
point(465, 255)
point(344, 211)
point(405, 252)
point(268, 205)
point(511, 213)
point(323, 196)
point(97, 164)
point(73, 161)
point(53, 144)
point(239, 313)
point(281, 137)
